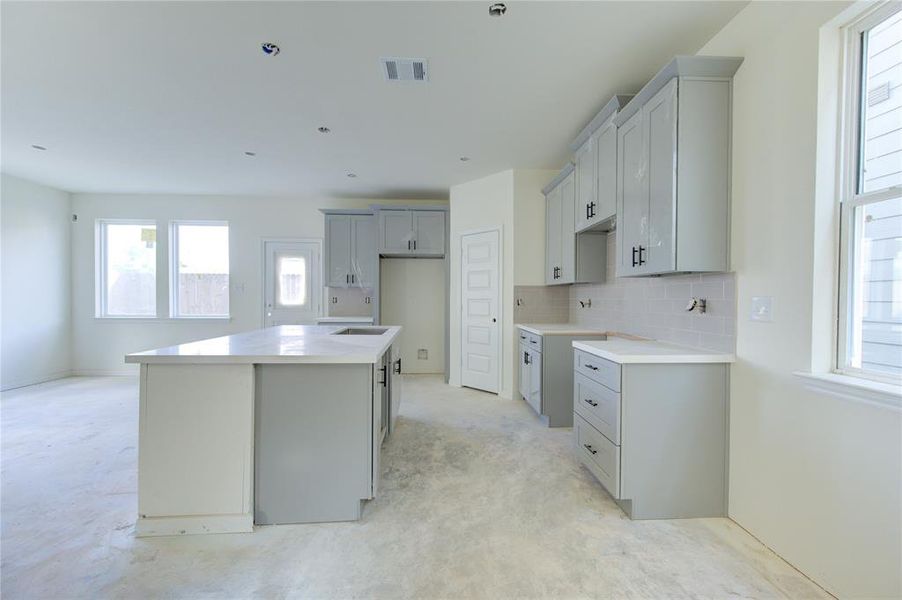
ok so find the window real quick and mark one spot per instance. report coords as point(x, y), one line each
point(200, 269)
point(292, 281)
point(870, 303)
point(126, 269)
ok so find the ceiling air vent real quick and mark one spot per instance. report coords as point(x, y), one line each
point(405, 69)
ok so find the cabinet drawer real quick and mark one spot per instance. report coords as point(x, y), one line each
point(599, 455)
point(597, 369)
point(597, 404)
point(535, 341)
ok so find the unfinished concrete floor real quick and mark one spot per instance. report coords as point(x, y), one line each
point(478, 501)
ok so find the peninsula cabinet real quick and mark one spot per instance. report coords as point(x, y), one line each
point(350, 250)
point(569, 258)
point(411, 232)
point(673, 170)
point(595, 155)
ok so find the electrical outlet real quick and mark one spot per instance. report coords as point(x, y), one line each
point(762, 308)
point(422, 354)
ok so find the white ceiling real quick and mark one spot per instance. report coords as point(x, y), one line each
point(166, 97)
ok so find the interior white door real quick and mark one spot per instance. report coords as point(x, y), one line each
point(292, 283)
point(480, 302)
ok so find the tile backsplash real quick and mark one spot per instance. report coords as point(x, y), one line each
point(351, 302)
point(541, 304)
point(655, 307)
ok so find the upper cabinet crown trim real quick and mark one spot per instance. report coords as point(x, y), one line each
point(613, 105)
point(363, 212)
point(559, 178)
point(680, 66)
point(442, 207)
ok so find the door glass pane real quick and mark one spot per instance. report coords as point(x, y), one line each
point(130, 269)
point(291, 280)
point(875, 336)
point(880, 161)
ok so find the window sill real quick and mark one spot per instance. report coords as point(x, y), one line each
point(854, 388)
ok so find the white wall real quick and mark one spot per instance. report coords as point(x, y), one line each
point(816, 477)
point(35, 318)
point(100, 344)
point(413, 296)
point(512, 200)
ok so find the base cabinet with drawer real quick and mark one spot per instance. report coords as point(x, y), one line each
point(654, 434)
point(544, 373)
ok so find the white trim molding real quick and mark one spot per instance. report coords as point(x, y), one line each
point(854, 388)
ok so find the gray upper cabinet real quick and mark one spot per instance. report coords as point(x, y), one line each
point(673, 170)
point(350, 250)
point(411, 232)
point(595, 156)
point(569, 257)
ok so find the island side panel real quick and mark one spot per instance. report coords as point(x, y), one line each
point(196, 448)
point(313, 442)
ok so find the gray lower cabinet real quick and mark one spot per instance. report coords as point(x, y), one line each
point(318, 432)
point(654, 435)
point(545, 375)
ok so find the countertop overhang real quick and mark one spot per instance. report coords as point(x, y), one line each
point(624, 351)
point(285, 344)
point(559, 329)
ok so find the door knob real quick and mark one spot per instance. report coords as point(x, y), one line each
point(494, 320)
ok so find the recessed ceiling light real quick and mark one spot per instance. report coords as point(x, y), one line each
point(352, 175)
point(270, 49)
point(37, 147)
point(323, 129)
point(249, 153)
point(464, 158)
point(498, 9)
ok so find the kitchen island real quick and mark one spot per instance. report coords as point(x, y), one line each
point(277, 425)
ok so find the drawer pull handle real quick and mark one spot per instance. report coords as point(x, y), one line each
point(589, 402)
point(593, 367)
point(589, 448)
point(533, 342)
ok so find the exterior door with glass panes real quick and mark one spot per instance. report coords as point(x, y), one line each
point(292, 283)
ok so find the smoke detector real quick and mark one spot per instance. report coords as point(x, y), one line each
point(405, 69)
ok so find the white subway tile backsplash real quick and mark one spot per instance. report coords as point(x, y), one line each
point(655, 307)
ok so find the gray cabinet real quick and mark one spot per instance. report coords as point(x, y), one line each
point(350, 250)
point(570, 257)
point(411, 232)
point(546, 374)
point(654, 435)
point(595, 156)
point(673, 170)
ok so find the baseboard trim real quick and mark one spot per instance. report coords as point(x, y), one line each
point(194, 525)
point(34, 380)
point(105, 373)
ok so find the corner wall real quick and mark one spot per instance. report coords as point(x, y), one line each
point(35, 317)
point(816, 477)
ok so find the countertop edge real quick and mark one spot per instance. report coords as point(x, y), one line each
point(627, 358)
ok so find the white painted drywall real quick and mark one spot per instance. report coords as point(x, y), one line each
point(35, 318)
point(413, 296)
point(512, 200)
point(100, 344)
point(816, 477)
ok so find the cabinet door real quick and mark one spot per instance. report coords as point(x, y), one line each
point(524, 372)
point(535, 380)
point(661, 124)
point(567, 272)
point(363, 251)
point(552, 235)
point(395, 232)
point(585, 184)
point(429, 232)
point(632, 195)
point(338, 250)
point(605, 175)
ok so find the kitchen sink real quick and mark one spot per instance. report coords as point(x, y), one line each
point(361, 331)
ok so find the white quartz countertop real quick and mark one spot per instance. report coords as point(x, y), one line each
point(283, 344)
point(558, 329)
point(344, 319)
point(623, 351)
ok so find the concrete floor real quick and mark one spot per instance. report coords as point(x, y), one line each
point(478, 501)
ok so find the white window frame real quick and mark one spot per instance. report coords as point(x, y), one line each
point(851, 116)
point(174, 269)
point(100, 274)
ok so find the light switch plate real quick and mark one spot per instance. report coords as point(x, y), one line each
point(762, 308)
